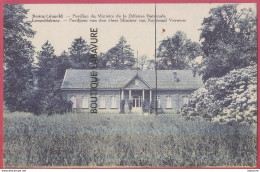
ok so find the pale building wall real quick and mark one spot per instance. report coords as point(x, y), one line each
point(107, 94)
point(176, 98)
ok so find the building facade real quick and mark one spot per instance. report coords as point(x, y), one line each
point(174, 88)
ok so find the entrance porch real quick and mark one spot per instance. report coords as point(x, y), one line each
point(138, 98)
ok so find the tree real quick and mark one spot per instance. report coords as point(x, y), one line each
point(121, 56)
point(102, 61)
point(150, 65)
point(142, 62)
point(18, 58)
point(79, 53)
point(60, 65)
point(48, 95)
point(176, 52)
point(229, 40)
point(45, 73)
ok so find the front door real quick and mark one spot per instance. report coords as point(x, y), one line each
point(137, 103)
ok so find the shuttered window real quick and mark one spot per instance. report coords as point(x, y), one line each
point(102, 102)
point(185, 99)
point(168, 102)
point(84, 102)
point(113, 102)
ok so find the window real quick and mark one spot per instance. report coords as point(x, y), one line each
point(73, 99)
point(102, 102)
point(84, 102)
point(185, 99)
point(136, 82)
point(113, 102)
point(158, 102)
point(168, 102)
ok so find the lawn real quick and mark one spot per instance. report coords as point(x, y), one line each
point(124, 140)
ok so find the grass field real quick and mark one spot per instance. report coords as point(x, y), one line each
point(124, 140)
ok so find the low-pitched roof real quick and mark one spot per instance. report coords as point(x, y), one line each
point(117, 79)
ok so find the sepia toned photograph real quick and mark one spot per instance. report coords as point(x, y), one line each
point(130, 85)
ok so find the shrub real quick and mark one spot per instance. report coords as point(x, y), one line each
point(49, 103)
point(130, 105)
point(151, 107)
point(143, 106)
point(122, 106)
point(228, 99)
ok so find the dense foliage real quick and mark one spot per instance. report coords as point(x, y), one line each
point(48, 94)
point(18, 58)
point(120, 56)
point(176, 52)
point(228, 69)
point(229, 40)
point(228, 99)
point(79, 54)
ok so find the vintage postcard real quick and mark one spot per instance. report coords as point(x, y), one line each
point(130, 85)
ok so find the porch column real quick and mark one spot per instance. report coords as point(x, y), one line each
point(150, 96)
point(122, 94)
point(130, 96)
point(143, 95)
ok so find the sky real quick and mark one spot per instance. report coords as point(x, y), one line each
point(139, 35)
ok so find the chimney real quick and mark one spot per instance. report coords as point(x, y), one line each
point(175, 79)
